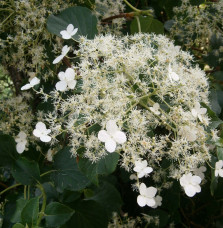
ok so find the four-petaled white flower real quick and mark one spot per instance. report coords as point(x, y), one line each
point(155, 108)
point(42, 132)
point(64, 52)
point(188, 133)
point(32, 83)
point(197, 111)
point(200, 171)
point(219, 168)
point(21, 142)
point(69, 32)
point(158, 200)
point(67, 80)
point(147, 196)
point(172, 75)
point(142, 169)
point(190, 183)
point(111, 136)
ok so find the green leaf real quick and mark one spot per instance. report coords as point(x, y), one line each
point(147, 24)
point(108, 197)
point(220, 153)
point(57, 214)
point(8, 151)
point(107, 165)
point(68, 176)
point(30, 212)
point(18, 225)
point(88, 214)
point(20, 204)
point(89, 169)
point(25, 171)
point(81, 18)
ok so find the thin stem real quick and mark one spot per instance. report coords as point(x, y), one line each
point(11, 187)
point(131, 6)
point(41, 214)
point(50, 171)
point(138, 23)
point(25, 191)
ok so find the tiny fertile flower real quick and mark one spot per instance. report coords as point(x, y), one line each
point(219, 168)
point(190, 184)
point(32, 83)
point(172, 75)
point(67, 80)
point(21, 142)
point(197, 111)
point(142, 169)
point(158, 200)
point(64, 52)
point(147, 196)
point(42, 132)
point(111, 136)
point(200, 171)
point(155, 108)
point(69, 32)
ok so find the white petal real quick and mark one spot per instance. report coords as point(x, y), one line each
point(110, 145)
point(69, 74)
point(72, 84)
point(25, 87)
point(111, 127)
point(37, 133)
point(142, 189)
point(141, 201)
point(216, 173)
point(74, 32)
point(62, 76)
point(41, 126)
point(119, 137)
point(34, 81)
point(196, 180)
point(65, 35)
point(150, 202)
point(202, 111)
point(45, 138)
point(194, 112)
point(22, 135)
point(20, 147)
point(65, 50)
point(141, 174)
point(151, 192)
point(175, 76)
point(103, 136)
point(148, 170)
point(190, 190)
point(220, 172)
point(197, 106)
point(61, 86)
point(70, 28)
point(58, 59)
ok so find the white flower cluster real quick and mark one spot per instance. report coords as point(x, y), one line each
point(139, 96)
point(194, 25)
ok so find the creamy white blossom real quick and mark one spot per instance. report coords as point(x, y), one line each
point(31, 84)
point(147, 196)
point(69, 32)
point(42, 132)
point(67, 80)
point(172, 75)
point(21, 142)
point(197, 111)
point(112, 136)
point(155, 108)
point(188, 132)
point(142, 169)
point(190, 183)
point(219, 168)
point(64, 52)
